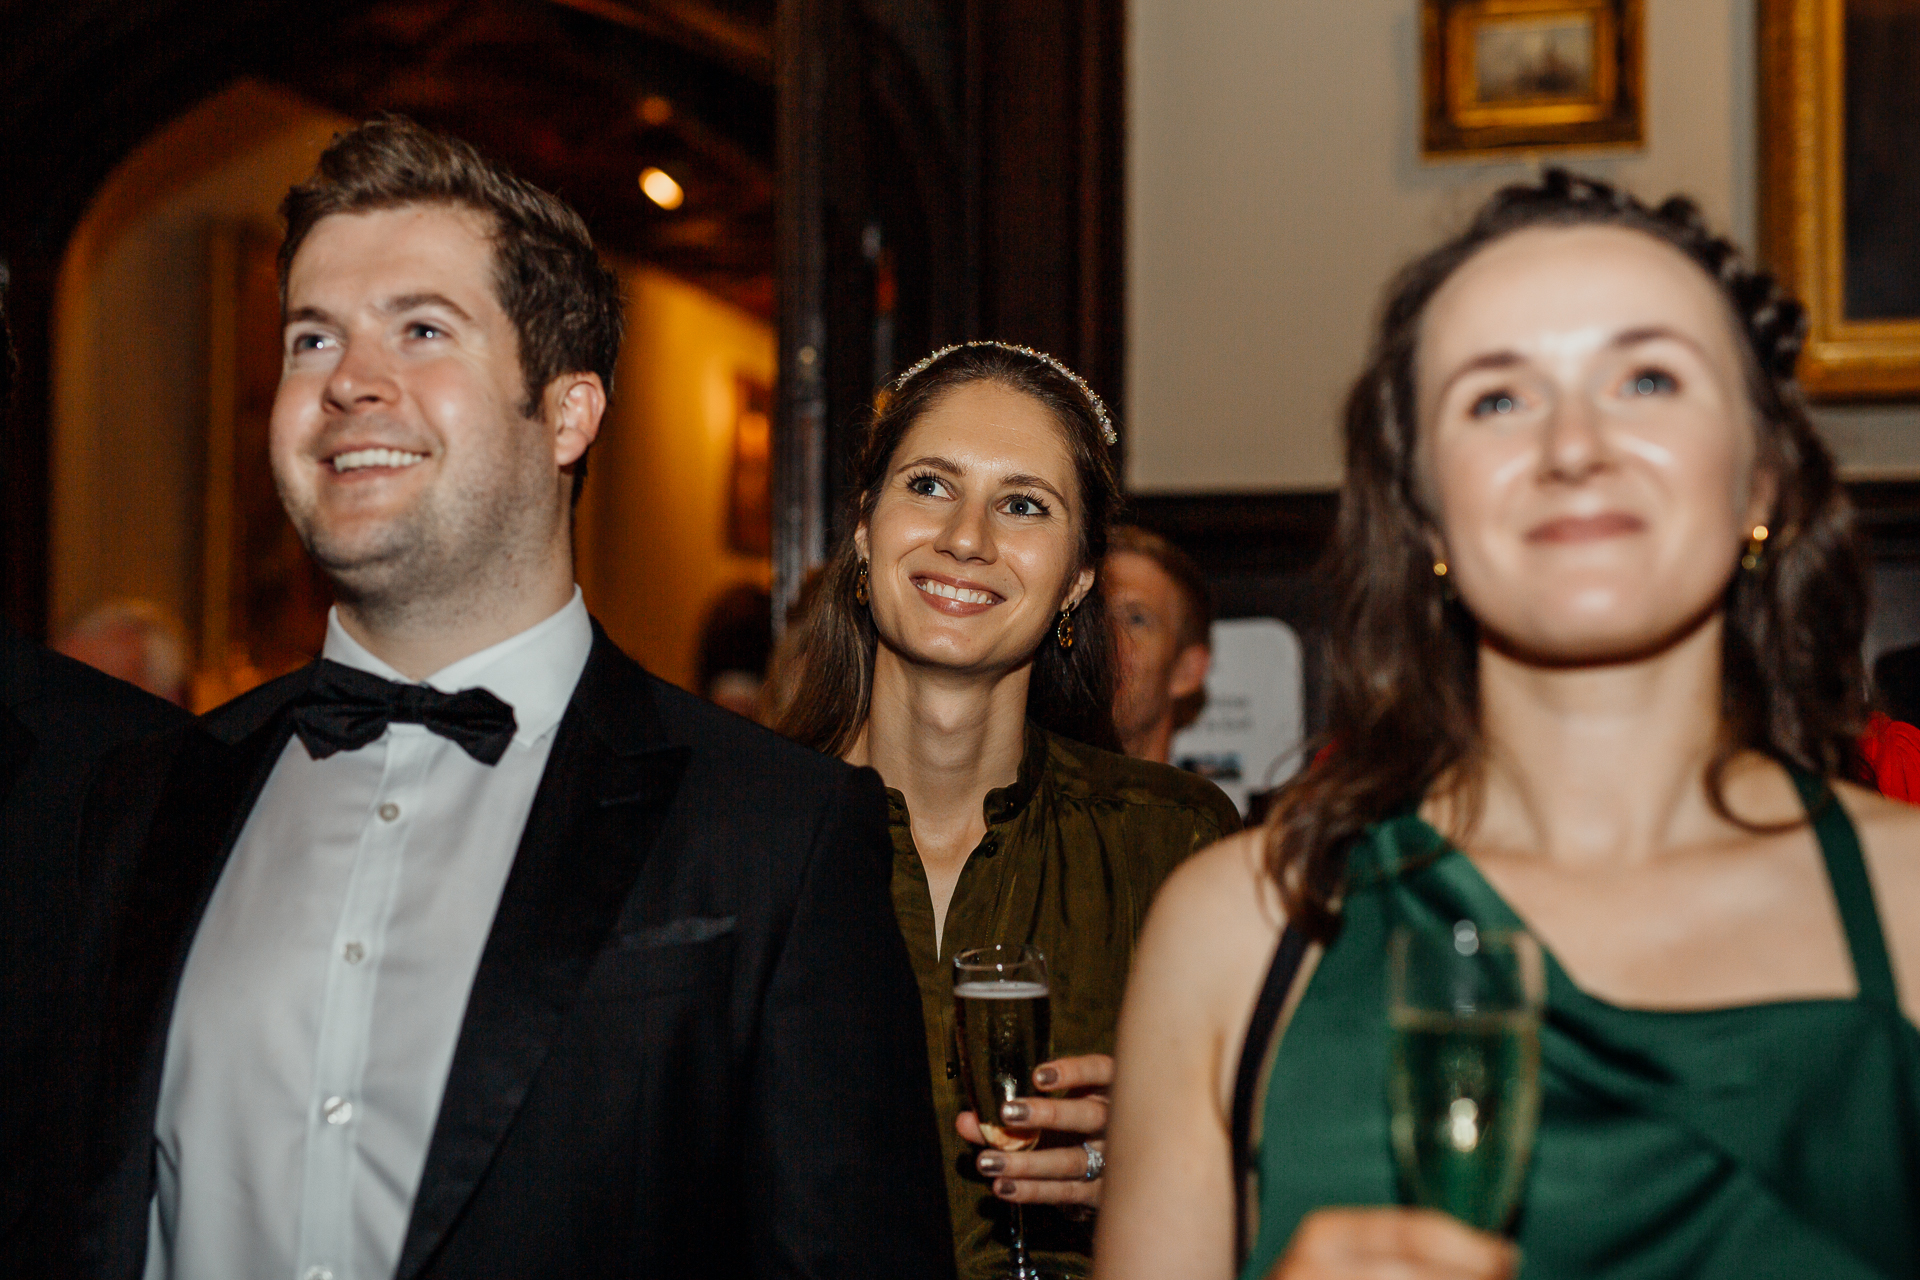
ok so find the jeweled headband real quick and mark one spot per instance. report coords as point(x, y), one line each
point(1094, 401)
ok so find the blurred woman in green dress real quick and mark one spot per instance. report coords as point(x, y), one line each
point(1598, 614)
point(960, 647)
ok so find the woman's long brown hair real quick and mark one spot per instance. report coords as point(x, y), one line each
point(1404, 659)
point(1071, 690)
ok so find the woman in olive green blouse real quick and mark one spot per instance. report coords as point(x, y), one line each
point(962, 650)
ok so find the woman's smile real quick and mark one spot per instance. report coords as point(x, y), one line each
point(954, 597)
point(1607, 524)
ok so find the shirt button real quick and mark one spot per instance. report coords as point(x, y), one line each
point(389, 811)
point(337, 1110)
point(317, 1273)
point(353, 953)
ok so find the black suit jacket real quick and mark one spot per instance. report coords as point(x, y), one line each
point(57, 719)
point(693, 1046)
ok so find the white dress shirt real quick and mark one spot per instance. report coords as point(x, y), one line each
point(325, 989)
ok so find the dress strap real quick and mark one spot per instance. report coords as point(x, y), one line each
point(1246, 1085)
point(1852, 890)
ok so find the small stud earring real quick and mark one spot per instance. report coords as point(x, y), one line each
point(860, 593)
point(1439, 568)
point(1063, 629)
point(1756, 549)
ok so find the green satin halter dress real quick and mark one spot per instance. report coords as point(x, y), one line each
point(1770, 1140)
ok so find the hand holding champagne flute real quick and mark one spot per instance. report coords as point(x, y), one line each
point(1003, 1021)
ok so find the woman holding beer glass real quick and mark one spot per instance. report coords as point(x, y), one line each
point(960, 648)
point(1597, 679)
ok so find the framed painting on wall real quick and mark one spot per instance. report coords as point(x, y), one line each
point(1840, 147)
point(1502, 75)
point(750, 473)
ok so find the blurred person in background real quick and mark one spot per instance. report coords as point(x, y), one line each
point(736, 643)
point(961, 647)
point(58, 718)
point(1599, 606)
point(133, 640)
point(1162, 615)
point(782, 684)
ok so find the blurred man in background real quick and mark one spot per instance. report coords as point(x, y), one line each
point(1162, 613)
point(133, 640)
point(57, 719)
point(736, 643)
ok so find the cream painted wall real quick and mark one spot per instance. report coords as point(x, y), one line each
point(131, 339)
point(1275, 183)
point(653, 517)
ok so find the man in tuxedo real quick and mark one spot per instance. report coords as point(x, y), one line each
point(57, 719)
point(473, 949)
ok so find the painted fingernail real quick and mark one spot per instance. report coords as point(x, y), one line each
point(1014, 1112)
point(1004, 1188)
point(992, 1163)
point(1046, 1077)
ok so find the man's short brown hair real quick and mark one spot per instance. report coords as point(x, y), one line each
point(1196, 618)
point(563, 301)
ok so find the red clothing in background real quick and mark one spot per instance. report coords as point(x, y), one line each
point(1892, 747)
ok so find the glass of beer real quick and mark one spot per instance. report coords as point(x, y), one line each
point(1465, 1081)
point(1000, 999)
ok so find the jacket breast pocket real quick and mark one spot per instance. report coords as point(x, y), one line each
point(689, 954)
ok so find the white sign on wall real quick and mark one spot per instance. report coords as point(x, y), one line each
point(1248, 738)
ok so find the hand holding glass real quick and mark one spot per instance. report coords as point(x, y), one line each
point(1001, 1010)
point(1465, 1084)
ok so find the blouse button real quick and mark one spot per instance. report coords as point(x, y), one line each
point(389, 811)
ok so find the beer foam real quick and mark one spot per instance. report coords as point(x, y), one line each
point(999, 990)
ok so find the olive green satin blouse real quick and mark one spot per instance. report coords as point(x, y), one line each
point(1073, 853)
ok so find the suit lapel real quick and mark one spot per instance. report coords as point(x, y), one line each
point(157, 903)
point(608, 785)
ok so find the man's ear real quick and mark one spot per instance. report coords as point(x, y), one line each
point(1189, 674)
point(575, 403)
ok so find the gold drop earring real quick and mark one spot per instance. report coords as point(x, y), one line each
point(860, 593)
point(1756, 549)
point(1063, 629)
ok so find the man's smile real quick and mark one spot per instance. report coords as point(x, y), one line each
point(361, 459)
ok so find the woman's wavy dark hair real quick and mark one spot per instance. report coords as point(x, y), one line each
point(1071, 690)
point(1404, 661)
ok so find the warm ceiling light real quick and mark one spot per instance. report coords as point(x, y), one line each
point(661, 188)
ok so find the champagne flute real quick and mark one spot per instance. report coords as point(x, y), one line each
point(1000, 999)
point(1465, 1085)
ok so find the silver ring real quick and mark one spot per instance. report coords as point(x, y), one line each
point(1096, 1161)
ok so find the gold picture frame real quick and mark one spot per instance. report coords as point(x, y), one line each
point(1502, 75)
point(1804, 210)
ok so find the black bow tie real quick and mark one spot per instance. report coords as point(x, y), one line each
point(345, 709)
